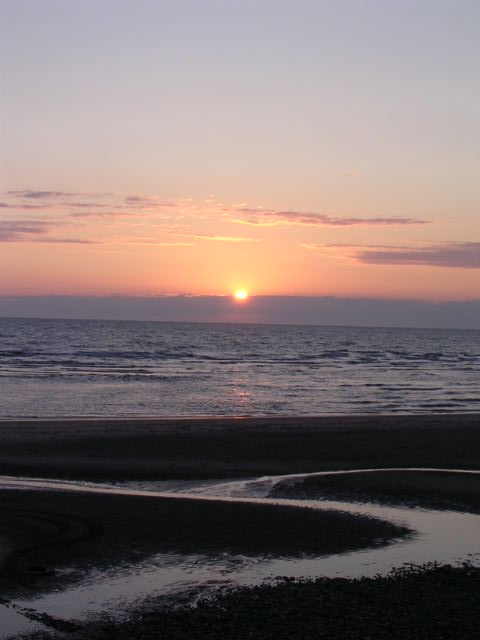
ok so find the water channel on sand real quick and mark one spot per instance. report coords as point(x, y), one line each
point(438, 536)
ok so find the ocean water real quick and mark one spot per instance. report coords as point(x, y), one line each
point(67, 368)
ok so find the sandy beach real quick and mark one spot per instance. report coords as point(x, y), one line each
point(124, 449)
point(44, 532)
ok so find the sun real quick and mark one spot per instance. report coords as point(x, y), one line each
point(240, 294)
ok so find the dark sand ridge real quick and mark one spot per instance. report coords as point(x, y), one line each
point(430, 489)
point(48, 530)
point(244, 447)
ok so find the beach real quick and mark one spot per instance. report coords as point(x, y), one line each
point(428, 604)
point(50, 539)
point(133, 449)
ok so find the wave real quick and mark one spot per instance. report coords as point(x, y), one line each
point(211, 369)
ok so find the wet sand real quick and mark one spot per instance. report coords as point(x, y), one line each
point(428, 489)
point(51, 530)
point(426, 604)
point(191, 448)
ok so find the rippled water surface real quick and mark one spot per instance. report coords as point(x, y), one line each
point(98, 368)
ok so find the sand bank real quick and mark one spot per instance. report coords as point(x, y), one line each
point(225, 447)
point(52, 530)
point(428, 489)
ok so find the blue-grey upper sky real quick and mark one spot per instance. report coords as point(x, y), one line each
point(180, 89)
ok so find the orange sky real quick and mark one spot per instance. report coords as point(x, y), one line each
point(128, 246)
point(313, 149)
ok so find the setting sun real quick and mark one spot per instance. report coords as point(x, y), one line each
point(240, 294)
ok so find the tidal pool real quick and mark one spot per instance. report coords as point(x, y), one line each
point(438, 536)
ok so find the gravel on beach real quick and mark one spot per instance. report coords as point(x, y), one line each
point(421, 603)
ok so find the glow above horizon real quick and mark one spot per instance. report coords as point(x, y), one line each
point(339, 150)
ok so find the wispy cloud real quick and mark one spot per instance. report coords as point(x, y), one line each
point(271, 218)
point(109, 214)
point(86, 205)
point(149, 202)
point(34, 231)
point(462, 255)
point(141, 199)
point(91, 204)
point(52, 240)
point(18, 230)
point(41, 195)
point(28, 199)
point(28, 206)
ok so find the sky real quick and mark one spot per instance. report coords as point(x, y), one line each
point(312, 148)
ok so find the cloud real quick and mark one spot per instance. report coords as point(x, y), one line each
point(77, 204)
point(345, 245)
point(26, 199)
point(107, 214)
point(19, 230)
point(23, 205)
point(152, 201)
point(41, 195)
point(65, 240)
point(34, 231)
point(86, 205)
point(57, 200)
point(462, 255)
point(272, 218)
point(141, 199)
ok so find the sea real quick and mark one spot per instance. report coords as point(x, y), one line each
point(89, 368)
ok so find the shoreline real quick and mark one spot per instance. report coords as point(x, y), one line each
point(207, 417)
point(269, 417)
